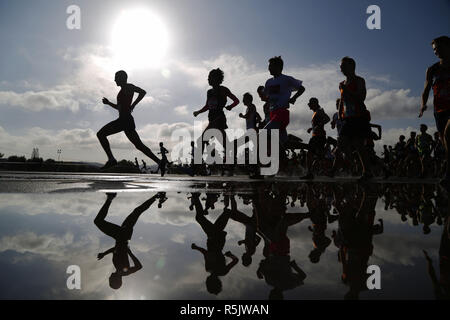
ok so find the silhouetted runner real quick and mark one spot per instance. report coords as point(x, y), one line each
point(251, 116)
point(121, 234)
point(266, 107)
point(215, 262)
point(316, 145)
point(438, 79)
point(352, 110)
point(125, 122)
point(164, 161)
point(277, 92)
point(215, 103)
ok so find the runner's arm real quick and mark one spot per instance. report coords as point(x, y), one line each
point(141, 94)
point(299, 92)
point(333, 123)
point(245, 115)
point(234, 261)
point(299, 271)
point(426, 90)
point(232, 97)
point(102, 254)
point(326, 118)
point(137, 264)
point(109, 103)
point(378, 127)
point(204, 109)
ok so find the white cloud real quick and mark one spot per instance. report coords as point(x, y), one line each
point(392, 104)
point(320, 81)
point(391, 136)
point(90, 76)
point(181, 110)
point(31, 242)
point(59, 97)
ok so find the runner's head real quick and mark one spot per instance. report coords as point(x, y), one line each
point(115, 280)
point(260, 91)
point(161, 144)
point(248, 99)
point(314, 255)
point(276, 66)
point(246, 259)
point(121, 78)
point(441, 47)
point(313, 104)
point(213, 284)
point(423, 128)
point(215, 77)
point(348, 66)
point(402, 138)
point(413, 134)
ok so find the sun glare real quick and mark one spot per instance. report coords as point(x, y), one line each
point(139, 39)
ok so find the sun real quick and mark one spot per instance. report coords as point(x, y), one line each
point(139, 39)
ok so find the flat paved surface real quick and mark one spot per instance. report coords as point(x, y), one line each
point(44, 182)
point(51, 221)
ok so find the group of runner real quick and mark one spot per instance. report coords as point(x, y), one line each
point(420, 155)
point(352, 120)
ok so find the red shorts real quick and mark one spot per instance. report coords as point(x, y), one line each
point(280, 115)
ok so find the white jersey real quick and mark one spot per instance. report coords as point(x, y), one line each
point(279, 90)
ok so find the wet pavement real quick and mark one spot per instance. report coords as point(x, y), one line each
point(147, 225)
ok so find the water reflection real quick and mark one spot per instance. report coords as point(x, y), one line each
point(441, 285)
point(268, 241)
point(122, 234)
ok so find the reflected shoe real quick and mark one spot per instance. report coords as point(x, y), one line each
point(109, 164)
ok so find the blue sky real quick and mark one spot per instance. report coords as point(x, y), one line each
point(52, 79)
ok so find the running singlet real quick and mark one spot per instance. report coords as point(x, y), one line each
point(216, 101)
point(410, 144)
point(441, 88)
point(338, 123)
point(279, 90)
point(424, 142)
point(400, 149)
point(317, 123)
point(250, 121)
point(350, 107)
point(124, 99)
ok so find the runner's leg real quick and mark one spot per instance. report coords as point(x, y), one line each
point(109, 129)
point(446, 142)
point(106, 227)
point(133, 136)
